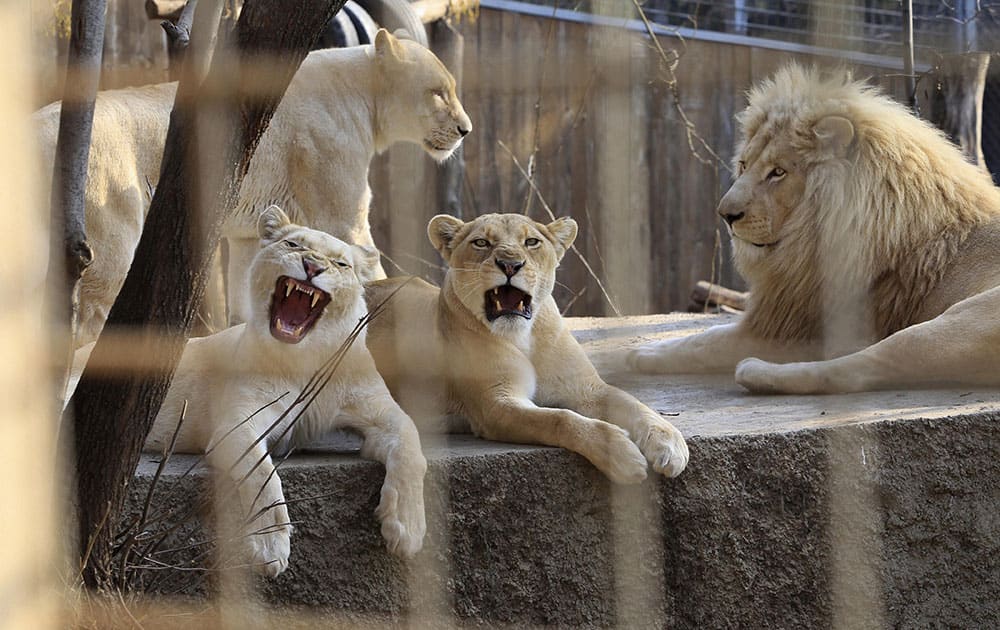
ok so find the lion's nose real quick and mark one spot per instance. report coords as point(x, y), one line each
point(312, 268)
point(462, 131)
point(509, 267)
point(731, 217)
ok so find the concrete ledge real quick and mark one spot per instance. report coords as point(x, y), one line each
point(877, 510)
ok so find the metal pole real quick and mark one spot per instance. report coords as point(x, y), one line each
point(911, 79)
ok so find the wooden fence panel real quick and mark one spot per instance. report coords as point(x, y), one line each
point(588, 110)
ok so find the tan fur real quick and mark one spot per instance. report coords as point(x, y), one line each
point(341, 108)
point(872, 222)
point(512, 379)
point(246, 371)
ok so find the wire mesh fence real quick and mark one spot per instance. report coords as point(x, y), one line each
point(873, 27)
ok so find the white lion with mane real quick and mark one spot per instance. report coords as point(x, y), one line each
point(853, 222)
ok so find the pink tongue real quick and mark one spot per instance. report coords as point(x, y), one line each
point(510, 298)
point(294, 309)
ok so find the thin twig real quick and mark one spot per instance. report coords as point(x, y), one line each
point(669, 66)
point(572, 301)
point(90, 542)
point(552, 216)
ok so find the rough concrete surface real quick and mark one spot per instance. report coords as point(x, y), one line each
point(859, 511)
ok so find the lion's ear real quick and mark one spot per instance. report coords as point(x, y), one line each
point(834, 134)
point(366, 259)
point(564, 231)
point(387, 46)
point(442, 230)
point(271, 223)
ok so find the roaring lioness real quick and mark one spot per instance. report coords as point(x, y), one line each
point(491, 346)
point(241, 385)
point(341, 108)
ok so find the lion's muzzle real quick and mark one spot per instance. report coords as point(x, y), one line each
point(296, 306)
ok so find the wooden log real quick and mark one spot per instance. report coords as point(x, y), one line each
point(706, 293)
point(432, 10)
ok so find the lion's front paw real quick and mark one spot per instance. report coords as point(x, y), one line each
point(666, 450)
point(401, 510)
point(270, 546)
point(619, 458)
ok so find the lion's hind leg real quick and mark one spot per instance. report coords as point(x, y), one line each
point(962, 345)
point(716, 350)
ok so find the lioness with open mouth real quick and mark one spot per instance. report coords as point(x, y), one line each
point(307, 298)
point(492, 342)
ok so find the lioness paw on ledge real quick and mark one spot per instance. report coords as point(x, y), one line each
point(491, 345)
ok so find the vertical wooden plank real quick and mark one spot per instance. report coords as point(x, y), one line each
point(738, 80)
point(664, 186)
point(622, 174)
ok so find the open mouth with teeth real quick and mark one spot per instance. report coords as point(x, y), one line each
point(507, 300)
point(295, 308)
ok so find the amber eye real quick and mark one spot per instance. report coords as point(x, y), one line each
point(740, 167)
point(292, 244)
point(480, 243)
point(776, 173)
point(531, 242)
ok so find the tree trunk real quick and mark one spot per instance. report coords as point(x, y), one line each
point(70, 257)
point(168, 275)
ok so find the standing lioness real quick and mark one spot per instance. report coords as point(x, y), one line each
point(493, 344)
point(341, 108)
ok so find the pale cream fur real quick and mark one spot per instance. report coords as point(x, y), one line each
point(512, 379)
point(852, 219)
point(342, 107)
point(244, 370)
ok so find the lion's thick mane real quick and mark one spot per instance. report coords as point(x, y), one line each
point(882, 223)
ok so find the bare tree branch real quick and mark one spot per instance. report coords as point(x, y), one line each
point(71, 257)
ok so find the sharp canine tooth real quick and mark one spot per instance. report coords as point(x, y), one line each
point(497, 302)
point(520, 305)
point(278, 323)
point(315, 299)
point(288, 288)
